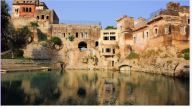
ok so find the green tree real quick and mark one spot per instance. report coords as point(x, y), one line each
point(5, 26)
point(19, 39)
point(110, 27)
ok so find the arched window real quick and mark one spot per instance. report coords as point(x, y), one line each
point(156, 31)
point(29, 9)
point(96, 43)
point(47, 17)
point(77, 35)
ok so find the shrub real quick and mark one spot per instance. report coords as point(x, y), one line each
point(185, 50)
point(186, 56)
point(133, 55)
point(56, 40)
point(41, 36)
point(70, 38)
point(186, 53)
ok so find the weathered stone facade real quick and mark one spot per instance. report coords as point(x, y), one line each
point(109, 48)
point(24, 12)
point(87, 46)
point(167, 28)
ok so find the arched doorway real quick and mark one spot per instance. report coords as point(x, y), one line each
point(125, 68)
point(82, 46)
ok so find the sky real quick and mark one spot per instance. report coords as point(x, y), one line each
point(104, 11)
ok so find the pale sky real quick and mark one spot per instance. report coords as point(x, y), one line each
point(104, 11)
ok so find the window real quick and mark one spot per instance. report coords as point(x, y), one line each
point(105, 33)
point(108, 50)
point(156, 31)
point(29, 9)
point(42, 16)
point(105, 38)
point(64, 34)
point(188, 21)
point(37, 17)
point(47, 17)
point(23, 1)
point(96, 43)
point(113, 51)
point(16, 10)
point(77, 35)
point(112, 32)
point(112, 38)
point(102, 50)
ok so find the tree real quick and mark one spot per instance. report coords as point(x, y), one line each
point(110, 27)
point(21, 37)
point(4, 26)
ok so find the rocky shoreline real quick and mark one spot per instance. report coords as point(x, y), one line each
point(164, 61)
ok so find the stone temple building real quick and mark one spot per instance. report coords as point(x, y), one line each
point(26, 11)
point(88, 46)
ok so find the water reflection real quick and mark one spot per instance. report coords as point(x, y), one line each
point(92, 88)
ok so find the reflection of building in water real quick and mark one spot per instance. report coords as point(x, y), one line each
point(107, 92)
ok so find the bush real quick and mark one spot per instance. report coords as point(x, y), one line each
point(185, 50)
point(186, 53)
point(56, 41)
point(186, 56)
point(41, 36)
point(71, 38)
point(133, 55)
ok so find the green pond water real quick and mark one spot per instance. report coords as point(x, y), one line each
point(81, 87)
